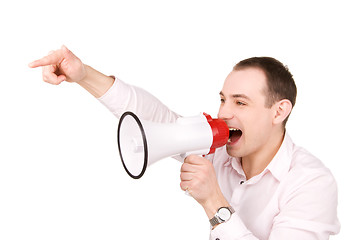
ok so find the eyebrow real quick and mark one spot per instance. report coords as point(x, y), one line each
point(239, 95)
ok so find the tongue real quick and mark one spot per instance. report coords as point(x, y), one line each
point(235, 136)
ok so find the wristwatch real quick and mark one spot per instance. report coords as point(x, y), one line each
point(222, 215)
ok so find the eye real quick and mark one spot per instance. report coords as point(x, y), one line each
point(222, 100)
point(240, 103)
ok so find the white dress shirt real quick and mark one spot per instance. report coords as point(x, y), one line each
point(295, 197)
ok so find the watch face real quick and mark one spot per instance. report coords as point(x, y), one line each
point(224, 214)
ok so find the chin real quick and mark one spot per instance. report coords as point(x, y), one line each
point(234, 152)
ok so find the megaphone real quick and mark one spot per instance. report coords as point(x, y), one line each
point(141, 143)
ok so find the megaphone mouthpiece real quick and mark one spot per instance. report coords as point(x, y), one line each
point(220, 132)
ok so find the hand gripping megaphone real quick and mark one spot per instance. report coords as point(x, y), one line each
point(141, 143)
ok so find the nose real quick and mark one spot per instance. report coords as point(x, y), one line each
point(225, 112)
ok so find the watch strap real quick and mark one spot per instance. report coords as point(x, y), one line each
point(216, 220)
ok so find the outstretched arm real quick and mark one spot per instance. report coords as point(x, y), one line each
point(62, 65)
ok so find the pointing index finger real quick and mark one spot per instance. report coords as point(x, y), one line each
point(51, 59)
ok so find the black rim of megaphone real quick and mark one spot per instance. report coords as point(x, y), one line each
point(144, 142)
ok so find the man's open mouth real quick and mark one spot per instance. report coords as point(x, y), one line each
point(234, 135)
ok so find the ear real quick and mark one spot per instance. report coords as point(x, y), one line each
point(282, 110)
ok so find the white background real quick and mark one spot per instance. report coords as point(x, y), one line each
point(60, 173)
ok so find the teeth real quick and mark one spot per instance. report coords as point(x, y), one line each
point(232, 130)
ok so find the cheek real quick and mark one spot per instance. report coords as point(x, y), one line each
point(258, 122)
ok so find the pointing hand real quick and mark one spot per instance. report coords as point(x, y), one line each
point(61, 65)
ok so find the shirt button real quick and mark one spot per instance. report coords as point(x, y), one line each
point(217, 239)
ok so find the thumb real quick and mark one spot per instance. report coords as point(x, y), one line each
point(67, 53)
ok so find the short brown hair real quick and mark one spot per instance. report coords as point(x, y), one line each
point(280, 82)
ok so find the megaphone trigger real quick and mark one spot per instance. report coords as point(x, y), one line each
point(202, 152)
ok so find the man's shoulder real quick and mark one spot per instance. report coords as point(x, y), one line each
point(303, 160)
point(309, 189)
point(308, 170)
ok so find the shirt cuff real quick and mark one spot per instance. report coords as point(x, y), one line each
point(231, 230)
point(115, 97)
point(108, 92)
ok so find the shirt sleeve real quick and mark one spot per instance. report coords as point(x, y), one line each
point(122, 97)
point(234, 229)
point(308, 210)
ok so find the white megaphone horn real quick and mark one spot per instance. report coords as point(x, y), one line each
point(141, 143)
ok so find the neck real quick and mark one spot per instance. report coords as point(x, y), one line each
point(255, 163)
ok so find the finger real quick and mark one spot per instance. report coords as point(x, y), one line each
point(185, 176)
point(49, 75)
point(52, 59)
point(187, 167)
point(195, 160)
point(185, 185)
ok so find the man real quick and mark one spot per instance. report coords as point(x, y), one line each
point(261, 185)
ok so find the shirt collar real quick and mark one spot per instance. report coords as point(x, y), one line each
point(279, 165)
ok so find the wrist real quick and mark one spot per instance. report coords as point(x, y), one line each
point(222, 215)
point(95, 82)
point(212, 205)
